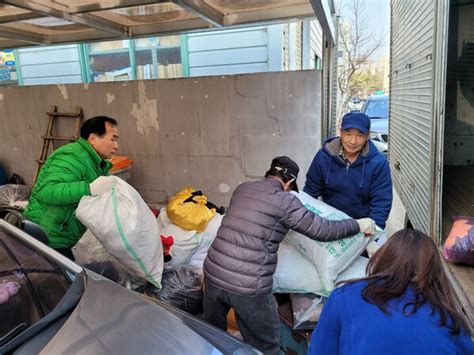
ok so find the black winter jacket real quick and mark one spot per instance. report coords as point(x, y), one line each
point(243, 257)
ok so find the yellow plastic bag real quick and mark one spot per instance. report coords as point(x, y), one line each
point(187, 209)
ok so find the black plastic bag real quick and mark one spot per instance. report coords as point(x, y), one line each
point(182, 288)
point(16, 180)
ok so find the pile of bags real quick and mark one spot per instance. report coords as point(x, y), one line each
point(123, 231)
point(189, 246)
point(192, 222)
point(128, 234)
point(308, 266)
point(309, 270)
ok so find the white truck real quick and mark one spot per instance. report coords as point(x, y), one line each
point(431, 128)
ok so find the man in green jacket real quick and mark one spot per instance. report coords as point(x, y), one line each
point(74, 170)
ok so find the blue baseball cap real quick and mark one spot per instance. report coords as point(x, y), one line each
point(357, 120)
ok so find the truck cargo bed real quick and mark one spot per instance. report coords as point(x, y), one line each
point(458, 200)
point(458, 194)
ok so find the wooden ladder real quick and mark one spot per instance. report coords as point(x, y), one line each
point(49, 137)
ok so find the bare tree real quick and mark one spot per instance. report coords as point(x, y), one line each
point(357, 44)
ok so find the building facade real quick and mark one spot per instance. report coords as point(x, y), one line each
point(289, 46)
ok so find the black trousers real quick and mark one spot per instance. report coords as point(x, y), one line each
point(257, 317)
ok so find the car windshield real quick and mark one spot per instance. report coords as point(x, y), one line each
point(377, 109)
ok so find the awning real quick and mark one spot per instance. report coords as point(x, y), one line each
point(46, 22)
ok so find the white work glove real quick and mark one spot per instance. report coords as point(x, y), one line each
point(366, 226)
point(102, 185)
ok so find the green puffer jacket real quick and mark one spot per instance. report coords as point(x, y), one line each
point(63, 181)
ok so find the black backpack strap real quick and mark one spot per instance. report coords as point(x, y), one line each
point(193, 194)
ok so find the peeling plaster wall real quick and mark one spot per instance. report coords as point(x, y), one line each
point(208, 132)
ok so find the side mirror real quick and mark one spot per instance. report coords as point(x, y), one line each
point(16, 218)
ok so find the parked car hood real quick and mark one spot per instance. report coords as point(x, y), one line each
point(111, 319)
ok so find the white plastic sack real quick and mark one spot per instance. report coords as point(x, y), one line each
point(185, 242)
point(330, 258)
point(124, 224)
point(205, 240)
point(355, 271)
point(294, 273)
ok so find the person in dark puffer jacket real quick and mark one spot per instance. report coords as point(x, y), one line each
point(239, 267)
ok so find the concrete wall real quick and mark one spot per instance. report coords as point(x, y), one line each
point(208, 132)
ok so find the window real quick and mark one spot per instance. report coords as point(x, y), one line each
point(39, 286)
point(158, 57)
point(144, 58)
point(8, 73)
point(110, 61)
point(317, 62)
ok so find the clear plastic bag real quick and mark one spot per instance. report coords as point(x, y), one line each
point(307, 309)
point(14, 195)
point(91, 254)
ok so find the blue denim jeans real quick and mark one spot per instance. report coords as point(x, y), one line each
point(256, 316)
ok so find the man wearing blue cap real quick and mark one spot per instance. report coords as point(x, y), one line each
point(351, 174)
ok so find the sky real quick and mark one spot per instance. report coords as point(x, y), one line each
point(377, 14)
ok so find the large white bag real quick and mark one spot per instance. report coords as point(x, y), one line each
point(205, 240)
point(127, 228)
point(294, 273)
point(330, 258)
point(355, 271)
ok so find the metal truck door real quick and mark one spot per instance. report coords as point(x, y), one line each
point(417, 97)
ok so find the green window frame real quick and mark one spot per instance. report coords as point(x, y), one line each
point(84, 55)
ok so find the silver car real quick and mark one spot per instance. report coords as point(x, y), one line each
point(58, 307)
point(376, 107)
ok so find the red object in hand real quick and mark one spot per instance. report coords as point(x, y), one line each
point(167, 243)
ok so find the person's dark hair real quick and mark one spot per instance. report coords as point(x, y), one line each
point(411, 259)
point(96, 125)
